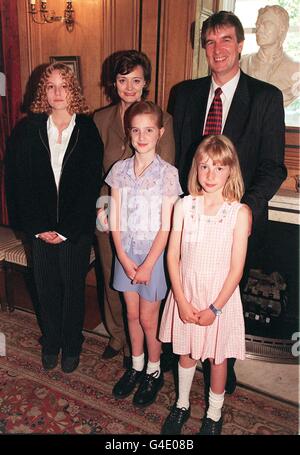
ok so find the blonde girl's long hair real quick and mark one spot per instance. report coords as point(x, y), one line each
point(222, 151)
point(76, 101)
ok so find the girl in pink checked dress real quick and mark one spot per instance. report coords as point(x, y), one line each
point(203, 315)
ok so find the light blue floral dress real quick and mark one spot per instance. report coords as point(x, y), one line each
point(141, 203)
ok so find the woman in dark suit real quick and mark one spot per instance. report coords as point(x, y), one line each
point(53, 176)
point(129, 82)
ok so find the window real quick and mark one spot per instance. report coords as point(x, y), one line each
point(247, 11)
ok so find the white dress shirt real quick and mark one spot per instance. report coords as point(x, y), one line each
point(228, 91)
point(57, 151)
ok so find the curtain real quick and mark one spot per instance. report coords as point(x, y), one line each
point(10, 66)
point(227, 5)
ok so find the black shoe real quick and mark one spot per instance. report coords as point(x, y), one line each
point(109, 353)
point(175, 420)
point(127, 383)
point(69, 364)
point(231, 379)
point(127, 362)
point(49, 361)
point(148, 389)
point(210, 427)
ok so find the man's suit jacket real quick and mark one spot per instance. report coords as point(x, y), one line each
point(255, 124)
point(109, 124)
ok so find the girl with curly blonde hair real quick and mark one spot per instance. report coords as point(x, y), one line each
point(76, 101)
point(53, 176)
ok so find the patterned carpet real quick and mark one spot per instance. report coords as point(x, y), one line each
point(35, 401)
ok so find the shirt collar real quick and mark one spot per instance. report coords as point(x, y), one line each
point(154, 167)
point(52, 127)
point(228, 89)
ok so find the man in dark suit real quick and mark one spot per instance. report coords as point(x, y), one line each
point(252, 117)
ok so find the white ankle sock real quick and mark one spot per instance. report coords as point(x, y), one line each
point(216, 401)
point(185, 380)
point(152, 367)
point(138, 362)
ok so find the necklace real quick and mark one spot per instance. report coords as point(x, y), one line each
point(139, 172)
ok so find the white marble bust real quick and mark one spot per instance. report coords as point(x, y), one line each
point(270, 63)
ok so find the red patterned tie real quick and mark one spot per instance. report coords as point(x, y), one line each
point(214, 118)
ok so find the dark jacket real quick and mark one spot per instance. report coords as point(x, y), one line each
point(255, 124)
point(34, 203)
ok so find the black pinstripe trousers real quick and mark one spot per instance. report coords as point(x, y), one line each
point(59, 273)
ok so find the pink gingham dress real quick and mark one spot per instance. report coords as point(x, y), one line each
point(205, 262)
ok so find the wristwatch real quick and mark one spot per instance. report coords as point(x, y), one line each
point(216, 311)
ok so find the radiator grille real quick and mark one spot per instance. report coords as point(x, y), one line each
point(270, 349)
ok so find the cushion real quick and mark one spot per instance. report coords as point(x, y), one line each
point(8, 239)
point(19, 254)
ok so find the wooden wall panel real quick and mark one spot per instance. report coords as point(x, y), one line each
point(176, 47)
point(39, 42)
point(165, 37)
point(160, 28)
point(30, 43)
point(149, 27)
point(120, 25)
point(125, 24)
point(102, 27)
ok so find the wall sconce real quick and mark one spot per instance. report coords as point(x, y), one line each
point(43, 16)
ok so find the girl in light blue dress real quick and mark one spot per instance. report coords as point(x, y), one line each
point(143, 189)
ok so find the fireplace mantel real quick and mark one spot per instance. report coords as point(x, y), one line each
point(284, 207)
